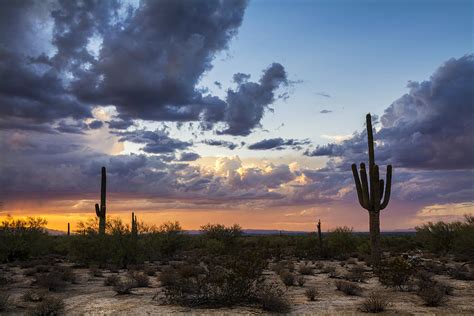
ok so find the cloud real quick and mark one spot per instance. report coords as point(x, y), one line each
point(189, 156)
point(325, 150)
point(156, 142)
point(430, 127)
point(323, 94)
point(279, 144)
point(95, 124)
point(325, 111)
point(221, 143)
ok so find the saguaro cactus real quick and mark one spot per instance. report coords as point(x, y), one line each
point(134, 226)
point(320, 238)
point(100, 211)
point(372, 195)
point(68, 229)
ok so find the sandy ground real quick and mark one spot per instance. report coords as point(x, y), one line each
point(90, 297)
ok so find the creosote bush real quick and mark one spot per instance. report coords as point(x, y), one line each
point(287, 278)
point(50, 305)
point(273, 299)
point(374, 303)
point(432, 296)
point(124, 286)
point(111, 280)
point(140, 278)
point(301, 280)
point(348, 288)
point(305, 270)
point(311, 293)
point(396, 273)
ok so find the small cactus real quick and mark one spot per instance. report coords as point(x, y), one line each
point(372, 195)
point(320, 238)
point(134, 226)
point(68, 229)
point(100, 210)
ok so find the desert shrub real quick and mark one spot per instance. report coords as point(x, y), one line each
point(123, 286)
point(341, 242)
point(67, 274)
point(356, 274)
point(29, 272)
point(305, 270)
point(96, 272)
point(328, 269)
point(4, 298)
point(140, 278)
point(33, 296)
point(311, 293)
point(51, 281)
point(22, 239)
point(150, 270)
point(456, 237)
point(287, 278)
point(461, 272)
point(111, 280)
point(301, 280)
point(351, 260)
point(374, 303)
point(318, 265)
point(396, 273)
point(227, 235)
point(273, 299)
point(49, 306)
point(348, 288)
point(433, 295)
point(225, 281)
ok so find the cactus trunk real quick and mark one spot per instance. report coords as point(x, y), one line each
point(68, 229)
point(100, 210)
point(320, 237)
point(371, 193)
point(134, 226)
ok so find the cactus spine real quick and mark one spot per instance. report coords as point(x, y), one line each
point(372, 195)
point(100, 211)
point(134, 226)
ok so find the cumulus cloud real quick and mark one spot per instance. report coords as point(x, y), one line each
point(430, 127)
point(156, 142)
point(279, 144)
point(189, 156)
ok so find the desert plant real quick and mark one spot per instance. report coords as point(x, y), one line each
point(320, 236)
point(370, 194)
point(348, 288)
point(356, 274)
point(341, 242)
point(272, 299)
point(52, 281)
point(328, 269)
point(150, 270)
point(100, 211)
point(124, 286)
point(396, 273)
point(301, 280)
point(49, 306)
point(374, 303)
point(311, 293)
point(222, 233)
point(288, 278)
point(96, 272)
point(33, 296)
point(433, 295)
point(111, 280)
point(305, 270)
point(140, 278)
point(461, 272)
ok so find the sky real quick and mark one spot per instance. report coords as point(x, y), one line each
point(234, 111)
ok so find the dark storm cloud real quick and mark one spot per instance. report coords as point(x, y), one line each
point(430, 127)
point(189, 156)
point(279, 144)
point(325, 150)
point(145, 60)
point(95, 124)
point(247, 104)
point(156, 142)
point(325, 111)
point(221, 143)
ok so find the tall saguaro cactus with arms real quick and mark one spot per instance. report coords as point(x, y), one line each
point(373, 193)
point(100, 210)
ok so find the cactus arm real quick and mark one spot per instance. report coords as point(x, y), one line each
point(370, 141)
point(376, 189)
point(388, 188)
point(97, 210)
point(365, 187)
point(358, 186)
point(381, 190)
